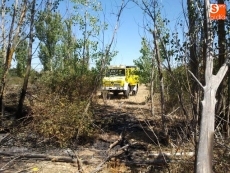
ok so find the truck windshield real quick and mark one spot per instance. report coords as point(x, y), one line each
point(116, 72)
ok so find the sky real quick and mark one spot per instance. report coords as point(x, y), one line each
point(128, 39)
point(130, 31)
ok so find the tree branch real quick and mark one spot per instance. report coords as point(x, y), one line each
point(196, 79)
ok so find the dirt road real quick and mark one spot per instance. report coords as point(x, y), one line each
point(134, 101)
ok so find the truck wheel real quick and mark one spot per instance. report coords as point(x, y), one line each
point(135, 92)
point(126, 93)
point(115, 93)
point(105, 95)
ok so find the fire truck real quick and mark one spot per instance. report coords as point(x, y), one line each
point(121, 79)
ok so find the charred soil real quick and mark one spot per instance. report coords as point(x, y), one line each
point(127, 139)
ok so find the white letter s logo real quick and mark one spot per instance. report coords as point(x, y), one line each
point(214, 8)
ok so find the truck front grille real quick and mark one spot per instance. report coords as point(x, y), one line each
point(112, 85)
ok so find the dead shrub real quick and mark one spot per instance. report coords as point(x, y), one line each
point(61, 120)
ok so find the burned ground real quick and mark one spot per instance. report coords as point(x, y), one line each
point(126, 139)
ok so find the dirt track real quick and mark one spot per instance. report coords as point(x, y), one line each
point(120, 102)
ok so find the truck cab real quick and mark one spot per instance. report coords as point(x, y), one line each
point(121, 79)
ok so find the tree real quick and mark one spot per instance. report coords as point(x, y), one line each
point(29, 59)
point(212, 82)
point(12, 43)
point(20, 56)
point(86, 18)
point(144, 63)
point(193, 55)
point(223, 101)
point(48, 30)
point(151, 9)
point(147, 70)
point(68, 46)
point(3, 48)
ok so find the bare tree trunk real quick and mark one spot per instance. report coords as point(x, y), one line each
point(194, 63)
point(228, 108)
point(105, 55)
point(84, 59)
point(194, 66)
point(192, 38)
point(26, 79)
point(3, 46)
point(108, 48)
point(228, 118)
point(152, 87)
point(3, 30)
point(163, 118)
point(12, 44)
point(204, 157)
point(222, 100)
point(205, 148)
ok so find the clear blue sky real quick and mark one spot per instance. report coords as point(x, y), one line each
point(128, 41)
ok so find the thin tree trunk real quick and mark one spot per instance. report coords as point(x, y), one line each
point(105, 56)
point(3, 30)
point(3, 46)
point(8, 58)
point(221, 91)
point(163, 118)
point(193, 63)
point(26, 79)
point(152, 87)
point(228, 109)
point(84, 59)
point(227, 121)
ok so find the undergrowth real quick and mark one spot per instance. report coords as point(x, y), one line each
point(60, 111)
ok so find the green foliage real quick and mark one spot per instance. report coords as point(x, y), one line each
point(70, 84)
point(103, 61)
point(176, 83)
point(1, 62)
point(59, 47)
point(144, 63)
point(21, 57)
point(86, 19)
point(44, 57)
point(34, 75)
point(13, 78)
point(67, 51)
point(64, 96)
point(13, 72)
point(48, 30)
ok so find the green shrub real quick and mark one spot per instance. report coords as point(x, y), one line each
point(60, 114)
point(176, 83)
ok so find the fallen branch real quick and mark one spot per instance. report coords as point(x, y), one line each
point(158, 162)
point(173, 154)
point(67, 159)
point(119, 152)
point(3, 168)
point(4, 138)
point(40, 156)
point(121, 137)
